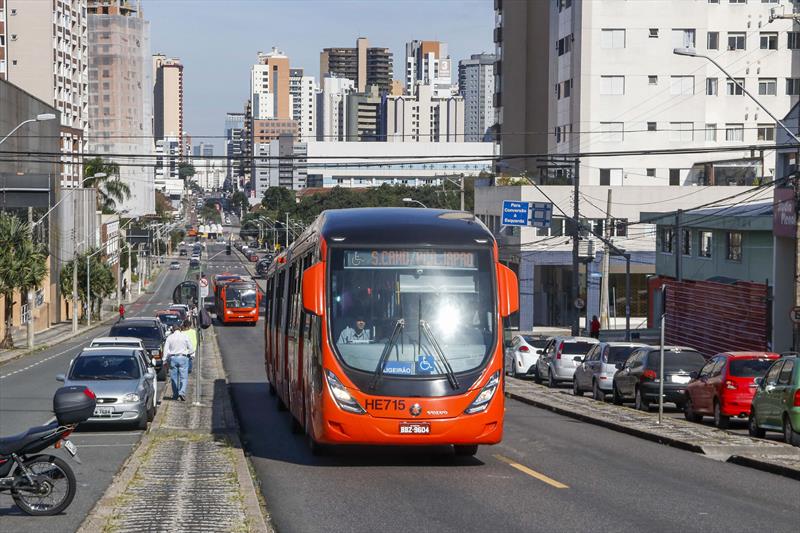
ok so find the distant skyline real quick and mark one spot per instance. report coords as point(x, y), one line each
point(217, 42)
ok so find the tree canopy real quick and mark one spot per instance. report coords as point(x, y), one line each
point(111, 189)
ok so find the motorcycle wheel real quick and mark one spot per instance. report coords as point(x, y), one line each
point(56, 486)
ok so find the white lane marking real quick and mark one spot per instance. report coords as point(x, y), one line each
point(105, 445)
point(77, 347)
point(99, 434)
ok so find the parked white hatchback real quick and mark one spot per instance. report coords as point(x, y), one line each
point(522, 352)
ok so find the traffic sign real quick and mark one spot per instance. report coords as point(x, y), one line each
point(515, 213)
point(203, 287)
point(579, 303)
point(796, 315)
point(541, 214)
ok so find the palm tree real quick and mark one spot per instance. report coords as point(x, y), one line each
point(110, 188)
point(25, 268)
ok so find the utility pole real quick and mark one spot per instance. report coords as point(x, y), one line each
point(30, 325)
point(88, 292)
point(576, 217)
point(462, 192)
point(678, 242)
point(74, 265)
point(287, 230)
point(604, 288)
point(796, 183)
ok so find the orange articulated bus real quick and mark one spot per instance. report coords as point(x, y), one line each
point(237, 301)
point(384, 326)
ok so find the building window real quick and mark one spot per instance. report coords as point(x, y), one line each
point(651, 172)
point(737, 1)
point(652, 80)
point(711, 86)
point(681, 131)
point(674, 177)
point(734, 246)
point(767, 86)
point(793, 40)
point(766, 132)
point(768, 41)
point(612, 85)
point(681, 85)
point(734, 132)
point(666, 240)
point(564, 45)
point(704, 248)
point(652, 126)
point(711, 132)
point(620, 228)
point(686, 242)
point(712, 40)
point(736, 40)
point(612, 38)
point(613, 131)
point(792, 86)
point(563, 4)
point(683, 38)
point(610, 176)
point(734, 86)
point(653, 33)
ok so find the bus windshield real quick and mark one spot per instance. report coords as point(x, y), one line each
point(237, 298)
point(440, 305)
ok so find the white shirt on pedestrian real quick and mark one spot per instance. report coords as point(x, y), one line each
point(177, 343)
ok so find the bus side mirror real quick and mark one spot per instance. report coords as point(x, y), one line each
point(508, 290)
point(314, 289)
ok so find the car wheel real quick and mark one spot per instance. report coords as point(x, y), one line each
point(142, 422)
point(639, 402)
point(597, 393)
point(576, 389)
point(617, 397)
point(536, 377)
point(688, 412)
point(151, 412)
point(752, 426)
point(720, 420)
point(790, 436)
point(551, 379)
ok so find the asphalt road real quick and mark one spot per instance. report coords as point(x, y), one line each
point(608, 481)
point(26, 398)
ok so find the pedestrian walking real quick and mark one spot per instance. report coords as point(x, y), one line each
point(177, 349)
point(121, 311)
point(595, 328)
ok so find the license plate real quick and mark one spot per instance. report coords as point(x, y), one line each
point(680, 379)
point(71, 448)
point(420, 428)
point(103, 411)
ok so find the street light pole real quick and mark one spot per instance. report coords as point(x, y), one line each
point(39, 118)
point(412, 201)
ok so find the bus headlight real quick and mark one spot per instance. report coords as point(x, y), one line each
point(481, 402)
point(340, 395)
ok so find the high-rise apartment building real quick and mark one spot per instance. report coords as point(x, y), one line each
point(303, 90)
point(476, 86)
point(364, 117)
point(362, 64)
point(167, 175)
point(269, 86)
point(427, 63)
point(234, 149)
point(424, 117)
point(332, 108)
point(120, 99)
point(203, 149)
point(284, 165)
point(44, 52)
point(611, 82)
point(168, 99)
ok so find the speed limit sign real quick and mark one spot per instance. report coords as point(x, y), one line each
point(203, 287)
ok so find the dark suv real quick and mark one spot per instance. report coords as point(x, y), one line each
point(151, 332)
point(637, 379)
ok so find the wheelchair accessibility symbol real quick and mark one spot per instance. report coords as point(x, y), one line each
point(425, 364)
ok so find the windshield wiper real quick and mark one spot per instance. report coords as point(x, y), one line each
point(398, 327)
point(451, 376)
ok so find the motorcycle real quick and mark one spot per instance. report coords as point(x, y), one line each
point(44, 484)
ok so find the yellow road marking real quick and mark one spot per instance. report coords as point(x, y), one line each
point(533, 473)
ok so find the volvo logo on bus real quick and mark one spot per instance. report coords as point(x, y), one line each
point(415, 409)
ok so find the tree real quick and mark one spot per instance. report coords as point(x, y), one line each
point(21, 270)
point(110, 188)
point(279, 200)
point(185, 170)
point(102, 280)
point(164, 209)
point(239, 203)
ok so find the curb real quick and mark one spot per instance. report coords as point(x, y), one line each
point(764, 466)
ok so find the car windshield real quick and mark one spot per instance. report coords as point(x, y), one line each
point(577, 348)
point(235, 298)
point(431, 298)
point(104, 367)
point(140, 332)
point(170, 320)
point(535, 341)
point(749, 368)
point(683, 360)
point(618, 354)
point(116, 343)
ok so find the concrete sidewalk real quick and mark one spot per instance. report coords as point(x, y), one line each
point(189, 472)
point(770, 456)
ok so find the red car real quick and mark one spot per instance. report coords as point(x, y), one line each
point(253, 258)
point(725, 386)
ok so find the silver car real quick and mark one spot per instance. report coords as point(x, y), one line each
point(557, 363)
point(595, 371)
point(128, 342)
point(121, 380)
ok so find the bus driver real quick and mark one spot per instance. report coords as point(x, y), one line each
point(358, 335)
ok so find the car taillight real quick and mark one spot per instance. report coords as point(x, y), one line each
point(90, 393)
point(524, 349)
point(730, 385)
point(558, 354)
point(797, 398)
point(649, 374)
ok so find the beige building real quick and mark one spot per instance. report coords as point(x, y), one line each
point(428, 63)
point(167, 98)
point(363, 64)
point(269, 85)
point(424, 118)
point(45, 54)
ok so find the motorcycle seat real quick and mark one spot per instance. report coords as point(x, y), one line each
point(15, 443)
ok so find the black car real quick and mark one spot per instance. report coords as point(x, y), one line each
point(194, 264)
point(152, 335)
point(262, 266)
point(182, 252)
point(637, 379)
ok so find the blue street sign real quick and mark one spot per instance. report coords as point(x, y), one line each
point(541, 214)
point(515, 213)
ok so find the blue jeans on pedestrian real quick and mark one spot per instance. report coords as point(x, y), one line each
point(179, 375)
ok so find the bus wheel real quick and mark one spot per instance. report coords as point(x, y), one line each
point(317, 449)
point(297, 428)
point(465, 450)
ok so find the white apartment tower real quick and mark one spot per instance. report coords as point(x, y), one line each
point(332, 108)
point(427, 63)
point(615, 84)
point(424, 118)
point(45, 54)
point(304, 103)
point(476, 86)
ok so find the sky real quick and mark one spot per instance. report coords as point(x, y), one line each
point(217, 40)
